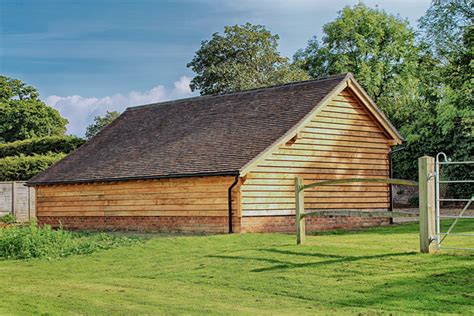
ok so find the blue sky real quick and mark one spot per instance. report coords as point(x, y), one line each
point(86, 57)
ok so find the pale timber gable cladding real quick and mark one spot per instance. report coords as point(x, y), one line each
point(343, 140)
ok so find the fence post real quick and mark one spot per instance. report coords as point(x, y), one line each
point(13, 199)
point(299, 207)
point(426, 185)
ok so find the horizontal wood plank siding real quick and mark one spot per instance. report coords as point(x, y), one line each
point(342, 141)
point(200, 196)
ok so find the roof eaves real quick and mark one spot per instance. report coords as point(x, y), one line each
point(118, 179)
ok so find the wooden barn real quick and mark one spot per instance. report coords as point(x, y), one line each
point(226, 163)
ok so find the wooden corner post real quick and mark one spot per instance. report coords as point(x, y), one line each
point(426, 167)
point(299, 207)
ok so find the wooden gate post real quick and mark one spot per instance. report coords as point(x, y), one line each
point(299, 207)
point(426, 185)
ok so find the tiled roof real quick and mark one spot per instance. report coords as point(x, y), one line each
point(204, 135)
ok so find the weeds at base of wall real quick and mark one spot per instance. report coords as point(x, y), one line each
point(8, 219)
point(32, 241)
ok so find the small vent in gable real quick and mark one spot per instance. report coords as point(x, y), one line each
point(293, 140)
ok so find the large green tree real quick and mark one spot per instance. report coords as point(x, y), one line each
point(378, 48)
point(448, 31)
point(244, 57)
point(100, 122)
point(442, 119)
point(23, 115)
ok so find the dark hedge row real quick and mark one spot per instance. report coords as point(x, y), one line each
point(43, 145)
point(18, 168)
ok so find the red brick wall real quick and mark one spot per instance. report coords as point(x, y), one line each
point(287, 223)
point(196, 224)
point(206, 224)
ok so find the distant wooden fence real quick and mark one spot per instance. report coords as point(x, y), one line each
point(18, 200)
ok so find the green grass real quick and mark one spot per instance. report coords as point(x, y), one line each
point(32, 241)
point(377, 271)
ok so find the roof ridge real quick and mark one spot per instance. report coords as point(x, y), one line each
point(212, 96)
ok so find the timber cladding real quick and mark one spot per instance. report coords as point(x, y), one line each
point(202, 200)
point(341, 141)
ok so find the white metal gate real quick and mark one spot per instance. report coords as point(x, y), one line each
point(441, 236)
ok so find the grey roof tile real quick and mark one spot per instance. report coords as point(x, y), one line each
point(203, 135)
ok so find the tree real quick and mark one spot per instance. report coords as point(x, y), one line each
point(100, 122)
point(445, 26)
point(378, 48)
point(443, 117)
point(24, 115)
point(448, 31)
point(14, 88)
point(244, 57)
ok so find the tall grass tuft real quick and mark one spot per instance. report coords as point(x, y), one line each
point(33, 241)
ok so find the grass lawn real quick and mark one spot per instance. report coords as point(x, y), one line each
point(367, 272)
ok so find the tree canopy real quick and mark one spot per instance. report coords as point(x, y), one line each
point(378, 48)
point(442, 118)
point(244, 57)
point(100, 122)
point(445, 26)
point(24, 115)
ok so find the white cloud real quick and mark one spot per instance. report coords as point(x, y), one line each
point(80, 111)
point(181, 87)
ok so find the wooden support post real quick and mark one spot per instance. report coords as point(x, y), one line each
point(299, 206)
point(426, 185)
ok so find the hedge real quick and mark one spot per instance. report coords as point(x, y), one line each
point(43, 145)
point(19, 168)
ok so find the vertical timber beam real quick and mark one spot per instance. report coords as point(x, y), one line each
point(426, 183)
point(299, 207)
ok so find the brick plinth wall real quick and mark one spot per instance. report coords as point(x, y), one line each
point(196, 224)
point(206, 224)
point(287, 223)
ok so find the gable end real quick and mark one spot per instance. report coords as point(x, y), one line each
point(350, 85)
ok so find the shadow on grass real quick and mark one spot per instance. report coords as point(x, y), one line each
point(464, 225)
point(297, 253)
point(444, 286)
point(449, 290)
point(408, 228)
point(287, 265)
